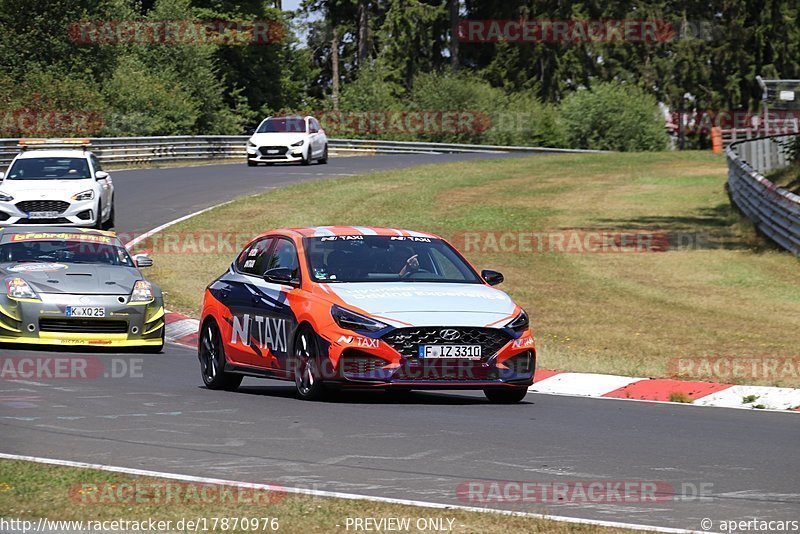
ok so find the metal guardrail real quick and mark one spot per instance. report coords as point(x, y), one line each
point(146, 150)
point(774, 210)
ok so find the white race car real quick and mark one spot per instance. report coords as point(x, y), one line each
point(286, 139)
point(56, 187)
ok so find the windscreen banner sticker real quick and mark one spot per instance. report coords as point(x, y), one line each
point(64, 236)
point(37, 268)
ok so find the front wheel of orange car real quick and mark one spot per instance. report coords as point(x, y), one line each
point(307, 372)
point(212, 360)
point(507, 395)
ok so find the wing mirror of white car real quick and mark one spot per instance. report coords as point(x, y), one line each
point(100, 175)
point(2, 175)
point(143, 260)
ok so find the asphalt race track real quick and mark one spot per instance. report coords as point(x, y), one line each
point(423, 446)
point(149, 198)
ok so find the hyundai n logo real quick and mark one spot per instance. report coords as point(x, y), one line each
point(449, 334)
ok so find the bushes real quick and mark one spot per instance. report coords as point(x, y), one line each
point(613, 116)
point(610, 116)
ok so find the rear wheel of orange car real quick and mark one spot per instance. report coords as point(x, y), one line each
point(507, 395)
point(307, 369)
point(212, 360)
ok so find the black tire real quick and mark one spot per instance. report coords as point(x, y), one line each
point(307, 375)
point(306, 160)
point(212, 360)
point(507, 395)
point(251, 163)
point(109, 224)
point(324, 159)
point(98, 223)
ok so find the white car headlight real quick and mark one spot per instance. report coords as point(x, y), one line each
point(17, 288)
point(4, 197)
point(84, 195)
point(250, 144)
point(142, 291)
point(299, 143)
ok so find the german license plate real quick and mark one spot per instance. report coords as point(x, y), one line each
point(272, 151)
point(85, 311)
point(464, 352)
point(43, 215)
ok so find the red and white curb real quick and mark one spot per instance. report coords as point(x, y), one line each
point(183, 331)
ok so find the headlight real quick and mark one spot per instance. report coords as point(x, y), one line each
point(17, 288)
point(251, 144)
point(142, 291)
point(5, 197)
point(299, 143)
point(84, 195)
point(353, 321)
point(520, 322)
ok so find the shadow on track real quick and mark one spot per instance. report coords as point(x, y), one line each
point(355, 396)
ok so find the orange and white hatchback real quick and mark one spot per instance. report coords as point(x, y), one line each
point(363, 307)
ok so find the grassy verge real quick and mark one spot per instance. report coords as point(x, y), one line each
point(788, 178)
point(718, 291)
point(33, 491)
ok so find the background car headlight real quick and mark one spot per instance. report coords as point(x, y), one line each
point(84, 195)
point(299, 143)
point(354, 321)
point(5, 198)
point(142, 291)
point(17, 288)
point(520, 322)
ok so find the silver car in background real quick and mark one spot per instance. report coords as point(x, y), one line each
point(76, 287)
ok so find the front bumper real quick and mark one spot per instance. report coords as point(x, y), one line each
point(45, 322)
point(78, 213)
point(279, 153)
point(373, 362)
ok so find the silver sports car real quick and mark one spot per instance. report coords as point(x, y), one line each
point(76, 287)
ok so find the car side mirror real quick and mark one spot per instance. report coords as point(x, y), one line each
point(100, 175)
point(281, 275)
point(492, 278)
point(2, 175)
point(143, 260)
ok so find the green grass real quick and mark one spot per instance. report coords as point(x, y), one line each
point(733, 294)
point(31, 491)
point(788, 177)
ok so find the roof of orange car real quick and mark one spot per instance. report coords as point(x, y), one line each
point(322, 231)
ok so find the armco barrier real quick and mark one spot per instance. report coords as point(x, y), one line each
point(774, 210)
point(145, 150)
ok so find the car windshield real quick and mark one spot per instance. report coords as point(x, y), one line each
point(283, 125)
point(386, 259)
point(65, 251)
point(49, 169)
